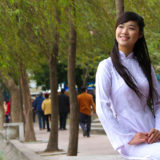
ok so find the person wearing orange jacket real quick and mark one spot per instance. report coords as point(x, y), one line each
point(86, 103)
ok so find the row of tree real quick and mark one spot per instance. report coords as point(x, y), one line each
point(48, 33)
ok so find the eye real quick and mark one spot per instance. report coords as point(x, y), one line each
point(120, 26)
point(131, 28)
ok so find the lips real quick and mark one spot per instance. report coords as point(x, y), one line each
point(124, 38)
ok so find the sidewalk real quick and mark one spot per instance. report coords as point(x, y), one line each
point(94, 146)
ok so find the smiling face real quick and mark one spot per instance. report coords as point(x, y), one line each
point(127, 35)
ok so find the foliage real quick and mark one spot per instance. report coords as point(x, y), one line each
point(27, 28)
point(149, 10)
point(42, 75)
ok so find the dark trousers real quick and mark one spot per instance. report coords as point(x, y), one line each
point(85, 123)
point(47, 117)
point(7, 118)
point(41, 119)
point(62, 119)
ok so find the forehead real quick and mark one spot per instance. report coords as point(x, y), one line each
point(130, 23)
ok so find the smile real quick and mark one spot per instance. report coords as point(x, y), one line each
point(124, 38)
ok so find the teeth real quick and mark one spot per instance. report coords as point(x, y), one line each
point(124, 38)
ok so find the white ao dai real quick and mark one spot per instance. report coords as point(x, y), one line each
point(122, 113)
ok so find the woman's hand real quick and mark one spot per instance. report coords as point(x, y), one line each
point(143, 137)
point(140, 137)
point(153, 136)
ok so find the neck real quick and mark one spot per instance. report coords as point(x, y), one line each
point(125, 50)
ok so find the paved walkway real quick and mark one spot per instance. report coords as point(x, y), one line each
point(94, 146)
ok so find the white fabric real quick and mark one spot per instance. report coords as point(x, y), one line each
point(122, 113)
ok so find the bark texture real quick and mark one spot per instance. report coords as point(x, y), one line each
point(119, 7)
point(85, 77)
point(74, 111)
point(53, 139)
point(16, 109)
point(29, 130)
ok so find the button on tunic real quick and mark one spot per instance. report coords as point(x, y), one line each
point(122, 113)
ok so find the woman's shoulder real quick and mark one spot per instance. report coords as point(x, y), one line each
point(105, 68)
point(106, 63)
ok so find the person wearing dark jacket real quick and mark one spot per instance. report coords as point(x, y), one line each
point(63, 109)
point(37, 104)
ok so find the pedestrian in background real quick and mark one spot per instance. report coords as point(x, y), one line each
point(85, 102)
point(33, 110)
point(7, 110)
point(38, 107)
point(63, 109)
point(46, 107)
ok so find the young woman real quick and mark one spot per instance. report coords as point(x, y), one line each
point(125, 84)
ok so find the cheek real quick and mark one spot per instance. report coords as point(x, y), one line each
point(116, 34)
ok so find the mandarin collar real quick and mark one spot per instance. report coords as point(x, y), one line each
point(123, 56)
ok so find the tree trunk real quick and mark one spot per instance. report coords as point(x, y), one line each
point(1, 109)
point(53, 139)
point(16, 109)
point(119, 7)
point(29, 130)
point(74, 112)
point(85, 77)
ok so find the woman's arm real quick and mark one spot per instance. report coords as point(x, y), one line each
point(154, 134)
point(156, 100)
point(118, 134)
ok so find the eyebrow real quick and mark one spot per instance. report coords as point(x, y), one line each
point(132, 25)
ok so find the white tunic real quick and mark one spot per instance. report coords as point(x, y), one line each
point(122, 113)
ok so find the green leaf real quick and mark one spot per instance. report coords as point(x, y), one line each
point(12, 1)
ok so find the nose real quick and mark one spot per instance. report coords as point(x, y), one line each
point(125, 30)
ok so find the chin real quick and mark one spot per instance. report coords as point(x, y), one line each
point(123, 44)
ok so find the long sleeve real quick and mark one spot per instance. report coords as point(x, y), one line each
point(118, 134)
point(156, 98)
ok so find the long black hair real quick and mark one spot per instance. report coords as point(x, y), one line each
point(140, 53)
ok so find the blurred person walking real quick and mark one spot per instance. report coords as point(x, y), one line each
point(63, 109)
point(33, 110)
point(46, 107)
point(7, 110)
point(37, 104)
point(85, 102)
